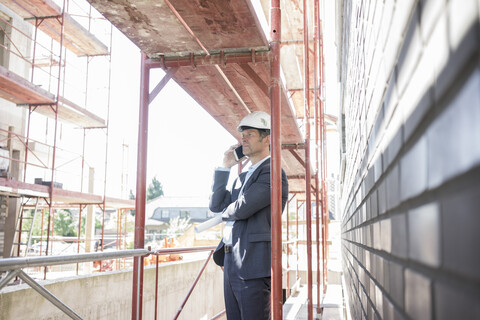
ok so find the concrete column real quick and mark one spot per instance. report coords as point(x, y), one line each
point(90, 221)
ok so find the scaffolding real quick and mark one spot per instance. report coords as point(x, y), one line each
point(60, 91)
point(231, 69)
point(218, 52)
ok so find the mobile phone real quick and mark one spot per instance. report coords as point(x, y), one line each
point(238, 153)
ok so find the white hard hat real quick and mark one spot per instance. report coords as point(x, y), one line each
point(257, 120)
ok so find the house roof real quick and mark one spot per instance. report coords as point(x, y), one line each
point(175, 202)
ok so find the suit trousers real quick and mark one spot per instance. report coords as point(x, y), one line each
point(245, 299)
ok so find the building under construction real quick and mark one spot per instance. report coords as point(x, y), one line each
point(408, 80)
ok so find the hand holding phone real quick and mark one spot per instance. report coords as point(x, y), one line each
point(238, 153)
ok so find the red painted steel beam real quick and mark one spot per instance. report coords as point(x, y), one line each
point(307, 160)
point(296, 156)
point(50, 206)
point(293, 146)
point(287, 243)
point(324, 168)
point(140, 201)
point(213, 59)
point(254, 76)
point(317, 151)
point(275, 160)
point(161, 84)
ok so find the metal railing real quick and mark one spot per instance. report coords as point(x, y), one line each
point(13, 268)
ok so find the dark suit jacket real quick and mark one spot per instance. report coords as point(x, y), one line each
point(251, 235)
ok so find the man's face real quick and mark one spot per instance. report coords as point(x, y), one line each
point(253, 143)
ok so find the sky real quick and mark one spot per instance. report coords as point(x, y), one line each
point(185, 143)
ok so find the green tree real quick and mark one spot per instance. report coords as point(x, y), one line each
point(64, 224)
point(154, 190)
point(131, 196)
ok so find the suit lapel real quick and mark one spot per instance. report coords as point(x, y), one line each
point(255, 174)
point(238, 185)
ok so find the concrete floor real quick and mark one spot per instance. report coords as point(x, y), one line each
point(296, 308)
point(333, 302)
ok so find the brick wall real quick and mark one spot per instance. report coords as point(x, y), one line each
point(410, 194)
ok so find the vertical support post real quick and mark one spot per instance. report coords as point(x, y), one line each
point(30, 107)
point(156, 286)
point(83, 159)
point(104, 205)
point(323, 163)
point(288, 250)
point(79, 230)
point(90, 219)
point(317, 147)
point(298, 237)
point(50, 204)
point(41, 232)
point(140, 202)
point(275, 160)
point(308, 174)
point(27, 138)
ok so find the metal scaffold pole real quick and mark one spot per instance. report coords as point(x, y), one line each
point(140, 202)
point(276, 174)
point(317, 147)
point(308, 175)
point(323, 142)
point(50, 202)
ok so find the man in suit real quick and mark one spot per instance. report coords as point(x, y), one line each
point(244, 252)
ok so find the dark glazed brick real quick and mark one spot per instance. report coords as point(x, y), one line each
point(368, 209)
point(386, 275)
point(410, 52)
point(379, 272)
point(467, 49)
point(376, 236)
point(379, 301)
point(373, 266)
point(386, 235)
point(454, 150)
point(382, 198)
point(399, 235)
point(413, 165)
point(368, 232)
point(391, 97)
point(374, 204)
point(421, 110)
point(429, 16)
point(378, 123)
point(378, 168)
point(397, 283)
point(418, 298)
point(424, 234)
point(367, 260)
point(394, 147)
point(393, 188)
point(461, 220)
point(455, 303)
point(370, 312)
point(363, 299)
point(372, 291)
point(398, 315)
point(388, 310)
